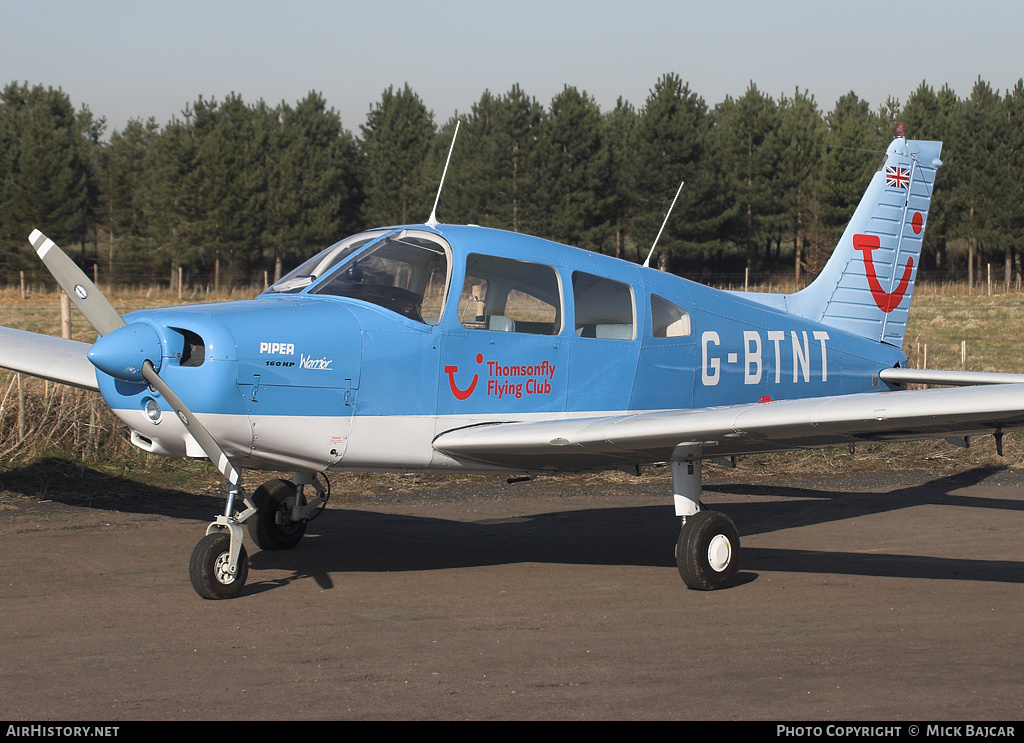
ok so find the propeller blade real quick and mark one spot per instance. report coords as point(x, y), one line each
point(101, 314)
point(192, 425)
point(87, 298)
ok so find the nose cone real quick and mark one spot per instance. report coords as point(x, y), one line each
point(122, 352)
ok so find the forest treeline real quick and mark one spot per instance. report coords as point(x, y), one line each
point(230, 191)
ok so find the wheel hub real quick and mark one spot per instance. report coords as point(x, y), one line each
point(221, 569)
point(719, 553)
point(283, 517)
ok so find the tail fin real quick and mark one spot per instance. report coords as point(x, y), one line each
point(866, 286)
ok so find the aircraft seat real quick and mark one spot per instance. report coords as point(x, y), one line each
point(501, 323)
point(616, 331)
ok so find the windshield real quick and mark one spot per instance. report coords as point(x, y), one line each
point(320, 263)
point(406, 273)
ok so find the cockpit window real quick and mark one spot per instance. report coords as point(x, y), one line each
point(406, 273)
point(321, 263)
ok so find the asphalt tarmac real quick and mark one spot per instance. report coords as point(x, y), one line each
point(890, 599)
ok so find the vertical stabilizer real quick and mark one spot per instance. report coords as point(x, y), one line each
point(866, 286)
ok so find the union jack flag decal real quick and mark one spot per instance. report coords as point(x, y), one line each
point(897, 177)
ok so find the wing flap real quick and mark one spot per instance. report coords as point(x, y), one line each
point(47, 357)
point(644, 438)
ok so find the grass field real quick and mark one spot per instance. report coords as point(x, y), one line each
point(41, 420)
point(990, 326)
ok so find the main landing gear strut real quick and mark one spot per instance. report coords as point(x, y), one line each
point(277, 514)
point(708, 549)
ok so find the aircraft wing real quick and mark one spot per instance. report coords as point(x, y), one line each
point(644, 438)
point(45, 356)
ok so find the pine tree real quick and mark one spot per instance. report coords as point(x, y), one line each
point(568, 152)
point(854, 147)
point(46, 175)
point(518, 118)
point(669, 146)
point(1013, 105)
point(981, 190)
point(492, 180)
point(930, 115)
point(473, 192)
point(397, 140)
point(800, 135)
point(313, 181)
point(231, 146)
point(121, 169)
point(617, 163)
point(167, 195)
point(747, 146)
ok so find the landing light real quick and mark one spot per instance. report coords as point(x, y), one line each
point(152, 408)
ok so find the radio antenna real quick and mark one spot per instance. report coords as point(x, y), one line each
point(432, 222)
point(647, 262)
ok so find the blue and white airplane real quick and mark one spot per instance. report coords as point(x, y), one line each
point(441, 348)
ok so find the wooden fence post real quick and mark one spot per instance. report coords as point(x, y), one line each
point(65, 315)
point(21, 411)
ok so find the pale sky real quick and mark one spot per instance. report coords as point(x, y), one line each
point(139, 58)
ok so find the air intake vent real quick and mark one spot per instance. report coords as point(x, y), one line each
point(194, 351)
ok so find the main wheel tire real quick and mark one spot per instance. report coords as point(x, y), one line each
point(208, 567)
point(708, 551)
point(272, 528)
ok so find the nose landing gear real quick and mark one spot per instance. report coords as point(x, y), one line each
point(219, 563)
point(211, 570)
point(277, 514)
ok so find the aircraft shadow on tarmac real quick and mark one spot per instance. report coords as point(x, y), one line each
point(344, 539)
point(350, 540)
point(60, 480)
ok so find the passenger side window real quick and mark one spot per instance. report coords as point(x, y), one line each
point(510, 296)
point(603, 308)
point(667, 319)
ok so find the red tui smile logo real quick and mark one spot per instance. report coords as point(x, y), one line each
point(886, 301)
point(461, 394)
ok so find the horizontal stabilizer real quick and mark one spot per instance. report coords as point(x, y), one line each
point(950, 378)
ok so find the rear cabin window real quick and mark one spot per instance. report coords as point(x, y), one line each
point(603, 308)
point(667, 319)
point(510, 296)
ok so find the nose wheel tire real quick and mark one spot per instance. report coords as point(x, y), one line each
point(708, 551)
point(208, 567)
point(272, 528)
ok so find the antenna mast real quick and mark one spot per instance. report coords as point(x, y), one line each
point(432, 222)
point(647, 262)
